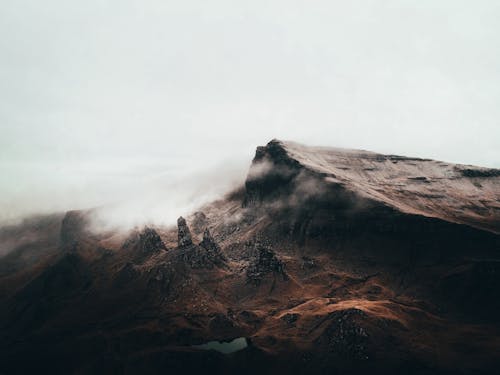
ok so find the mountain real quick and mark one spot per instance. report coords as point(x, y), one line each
point(325, 261)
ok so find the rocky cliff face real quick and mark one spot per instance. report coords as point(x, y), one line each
point(454, 193)
point(272, 173)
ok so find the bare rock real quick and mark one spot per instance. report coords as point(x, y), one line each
point(290, 319)
point(345, 336)
point(263, 263)
point(184, 234)
point(213, 249)
point(147, 241)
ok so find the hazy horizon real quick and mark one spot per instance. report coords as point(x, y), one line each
point(125, 100)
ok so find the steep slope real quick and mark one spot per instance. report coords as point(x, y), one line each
point(456, 193)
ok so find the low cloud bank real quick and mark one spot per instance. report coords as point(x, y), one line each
point(126, 193)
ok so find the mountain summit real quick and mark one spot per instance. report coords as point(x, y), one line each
point(455, 193)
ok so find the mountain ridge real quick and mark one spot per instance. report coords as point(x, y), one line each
point(382, 177)
point(305, 261)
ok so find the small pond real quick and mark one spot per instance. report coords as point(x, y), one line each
point(225, 347)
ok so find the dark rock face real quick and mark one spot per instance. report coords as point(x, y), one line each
point(271, 172)
point(184, 234)
point(263, 263)
point(290, 319)
point(345, 337)
point(195, 257)
point(146, 242)
point(206, 255)
point(198, 257)
point(480, 172)
point(213, 249)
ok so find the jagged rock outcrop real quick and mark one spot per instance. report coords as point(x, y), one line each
point(213, 249)
point(205, 255)
point(264, 262)
point(145, 242)
point(345, 337)
point(198, 257)
point(184, 234)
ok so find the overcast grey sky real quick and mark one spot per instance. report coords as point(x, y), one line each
point(98, 97)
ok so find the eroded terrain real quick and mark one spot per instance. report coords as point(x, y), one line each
point(326, 261)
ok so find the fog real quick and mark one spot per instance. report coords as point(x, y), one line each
point(157, 106)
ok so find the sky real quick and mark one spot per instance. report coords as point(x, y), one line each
point(119, 100)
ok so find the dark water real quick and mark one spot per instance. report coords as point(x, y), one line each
point(225, 347)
